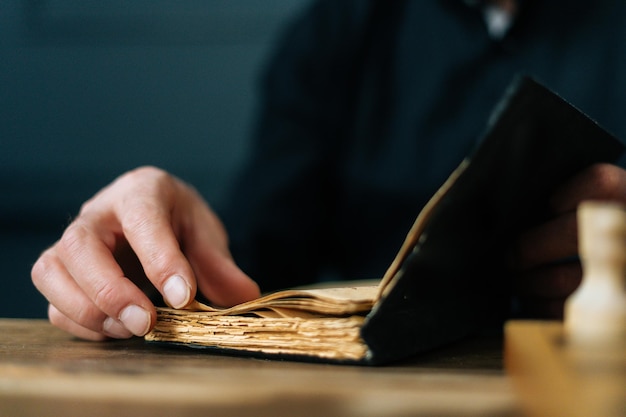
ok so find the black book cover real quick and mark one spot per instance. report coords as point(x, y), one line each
point(455, 280)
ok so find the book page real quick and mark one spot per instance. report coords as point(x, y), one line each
point(336, 301)
point(322, 337)
point(415, 233)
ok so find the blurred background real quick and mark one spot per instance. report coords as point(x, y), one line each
point(90, 89)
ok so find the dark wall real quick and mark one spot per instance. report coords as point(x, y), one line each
point(90, 89)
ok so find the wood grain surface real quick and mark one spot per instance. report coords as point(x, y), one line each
point(554, 377)
point(44, 371)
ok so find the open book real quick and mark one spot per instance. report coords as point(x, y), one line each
point(449, 277)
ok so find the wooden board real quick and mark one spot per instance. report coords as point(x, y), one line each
point(554, 378)
point(44, 371)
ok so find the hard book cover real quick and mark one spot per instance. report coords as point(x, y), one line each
point(449, 278)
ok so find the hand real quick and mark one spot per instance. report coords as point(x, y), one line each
point(546, 256)
point(146, 227)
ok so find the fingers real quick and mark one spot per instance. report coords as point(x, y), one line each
point(598, 182)
point(81, 280)
point(556, 281)
point(68, 300)
point(218, 277)
point(182, 244)
point(90, 263)
point(547, 243)
point(61, 321)
point(146, 224)
point(543, 280)
point(542, 292)
point(222, 282)
point(149, 229)
point(52, 279)
point(557, 239)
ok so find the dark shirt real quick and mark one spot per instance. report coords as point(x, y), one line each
point(368, 106)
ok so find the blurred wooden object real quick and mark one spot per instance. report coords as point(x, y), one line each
point(44, 371)
point(578, 368)
point(555, 378)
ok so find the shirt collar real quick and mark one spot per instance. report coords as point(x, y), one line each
point(499, 15)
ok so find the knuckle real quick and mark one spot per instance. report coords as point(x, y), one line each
point(608, 180)
point(40, 268)
point(86, 206)
point(130, 188)
point(104, 297)
point(159, 267)
point(141, 223)
point(149, 177)
point(73, 238)
point(148, 189)
point(44, 271)
point(147, 170)
point(88, 316)
point(139, 217)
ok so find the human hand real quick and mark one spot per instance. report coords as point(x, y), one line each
point(547, 269)
point(145, 227)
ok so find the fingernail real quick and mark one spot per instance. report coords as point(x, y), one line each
point(114, 328)
point(135, 319)
point(177, 292)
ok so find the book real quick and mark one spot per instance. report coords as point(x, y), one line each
point(449, 278)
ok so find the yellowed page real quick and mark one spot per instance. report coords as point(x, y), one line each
point(329, 301)
point(417, 229)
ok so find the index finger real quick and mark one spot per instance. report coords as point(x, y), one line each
point(149, 232)
point(148, 224)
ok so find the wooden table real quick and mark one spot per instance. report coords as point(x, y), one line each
point(44, 371)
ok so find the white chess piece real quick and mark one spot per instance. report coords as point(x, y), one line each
point(596, 312)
